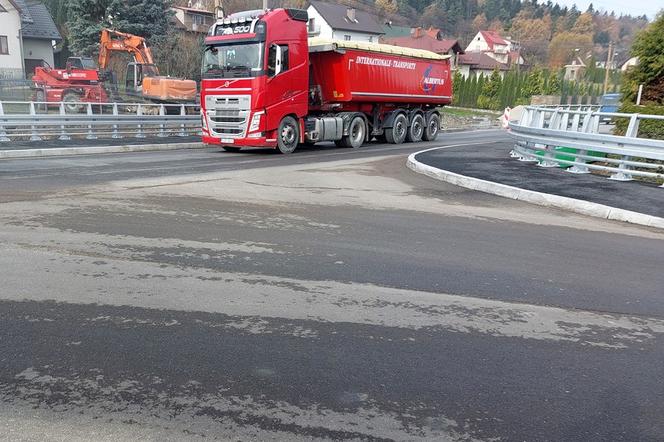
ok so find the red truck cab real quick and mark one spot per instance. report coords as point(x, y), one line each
point(265, 84)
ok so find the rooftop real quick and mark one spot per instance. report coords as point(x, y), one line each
point(37, 21)
point(480, 60)
point(337, 17)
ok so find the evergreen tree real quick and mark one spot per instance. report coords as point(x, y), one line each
point(86, 20)
point(649, 48)
point(490, 92)
point(148, 18)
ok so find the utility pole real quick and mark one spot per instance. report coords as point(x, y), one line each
point(264, 5)
point(609, 61)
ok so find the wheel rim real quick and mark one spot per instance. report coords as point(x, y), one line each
point(433, 126)
point(417, 128)
point(357, 133)
point(400, 129)
point(288, 134)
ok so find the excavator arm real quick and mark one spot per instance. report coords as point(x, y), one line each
point(114, 41)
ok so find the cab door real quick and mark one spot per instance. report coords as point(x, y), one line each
point(287, 82)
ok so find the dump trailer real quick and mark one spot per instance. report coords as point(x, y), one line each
point(266, 84)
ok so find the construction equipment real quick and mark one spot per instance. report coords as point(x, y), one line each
point(142, 74)
point(82, 81)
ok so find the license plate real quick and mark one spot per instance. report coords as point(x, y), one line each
point(227, 141)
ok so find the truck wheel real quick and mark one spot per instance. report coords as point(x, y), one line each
point(416, 129)
point(432, 128)
point(71, 100)
point(231, 148)
point(397, 133)
point(288, 135)
point(356, 133)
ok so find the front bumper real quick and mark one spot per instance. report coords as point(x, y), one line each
point(242, 142)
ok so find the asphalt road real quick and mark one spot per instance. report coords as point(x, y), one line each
point(328, 295)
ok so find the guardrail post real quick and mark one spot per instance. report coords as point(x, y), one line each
point(139, 114)
point(116, 134)
point(162, 126)
point(91, 135)
point(63, 131)
point(33, 129)
point(632, 132)
point(3, 133)
point(183, 131)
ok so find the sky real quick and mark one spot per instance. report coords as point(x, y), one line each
point(631, 7)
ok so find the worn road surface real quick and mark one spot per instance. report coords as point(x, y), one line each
point(331, 294)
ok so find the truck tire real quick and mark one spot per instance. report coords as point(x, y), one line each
point(416, 129)
point(432, 127)
point(357, 132)
point(231, 148)
point(397, 133)
point(288, 135)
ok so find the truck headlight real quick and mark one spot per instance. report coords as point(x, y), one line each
point(256, 121)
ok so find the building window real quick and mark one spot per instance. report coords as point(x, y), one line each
point(4, 47)
point(347, 37)
point(370, 39)
point(199, 19)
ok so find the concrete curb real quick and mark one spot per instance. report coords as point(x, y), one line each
point(88, 150)
point(530, 196)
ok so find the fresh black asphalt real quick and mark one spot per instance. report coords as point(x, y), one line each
point(492, 162)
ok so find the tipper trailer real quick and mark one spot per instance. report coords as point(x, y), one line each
point(266, 84)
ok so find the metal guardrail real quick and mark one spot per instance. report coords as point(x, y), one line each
point(541, 132)
point(36, 121)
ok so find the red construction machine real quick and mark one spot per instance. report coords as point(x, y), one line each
point(82, 81)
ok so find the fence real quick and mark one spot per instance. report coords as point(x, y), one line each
point(570, 137)
point(36, 121)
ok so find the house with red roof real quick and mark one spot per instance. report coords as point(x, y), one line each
point(428, 39)
point(501, 49)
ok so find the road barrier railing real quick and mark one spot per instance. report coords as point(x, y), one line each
point(37, 121)
point(568, 137)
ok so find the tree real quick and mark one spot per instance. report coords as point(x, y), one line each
point(86, 20)
point(489, 98)
point(148, 18)
point(565, 45)
point(387, 6)
point(649, 48)
point(584, 24)
point(480, 23)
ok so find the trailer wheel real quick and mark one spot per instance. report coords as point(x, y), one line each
point(397, 133)
point(231, 148)
point(416, 129)
point(432, 127)
point(288, 135)
point(357, 132)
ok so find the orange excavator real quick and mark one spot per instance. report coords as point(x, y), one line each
point(81, 81)
point(142, 74)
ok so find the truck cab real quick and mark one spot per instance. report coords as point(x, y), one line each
point(254, 88)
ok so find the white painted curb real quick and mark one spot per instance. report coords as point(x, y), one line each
point(530, 196)
point(88, 150)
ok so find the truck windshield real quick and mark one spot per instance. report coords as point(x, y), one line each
point(232, 60)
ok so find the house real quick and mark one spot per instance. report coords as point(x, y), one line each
point(40, 35)
point(497, 47)
point(575, 70)
point(633, 61)
point(27, 37)
point(430, 40)
point(479, 63)
point(338, 22)
point(391, 30)
point(11, 58)
point(193, 18)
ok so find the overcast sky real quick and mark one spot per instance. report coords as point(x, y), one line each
point(631, 7)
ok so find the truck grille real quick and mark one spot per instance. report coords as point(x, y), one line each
point(228, 116)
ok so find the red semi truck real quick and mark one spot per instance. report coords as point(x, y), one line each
point(265, 84)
